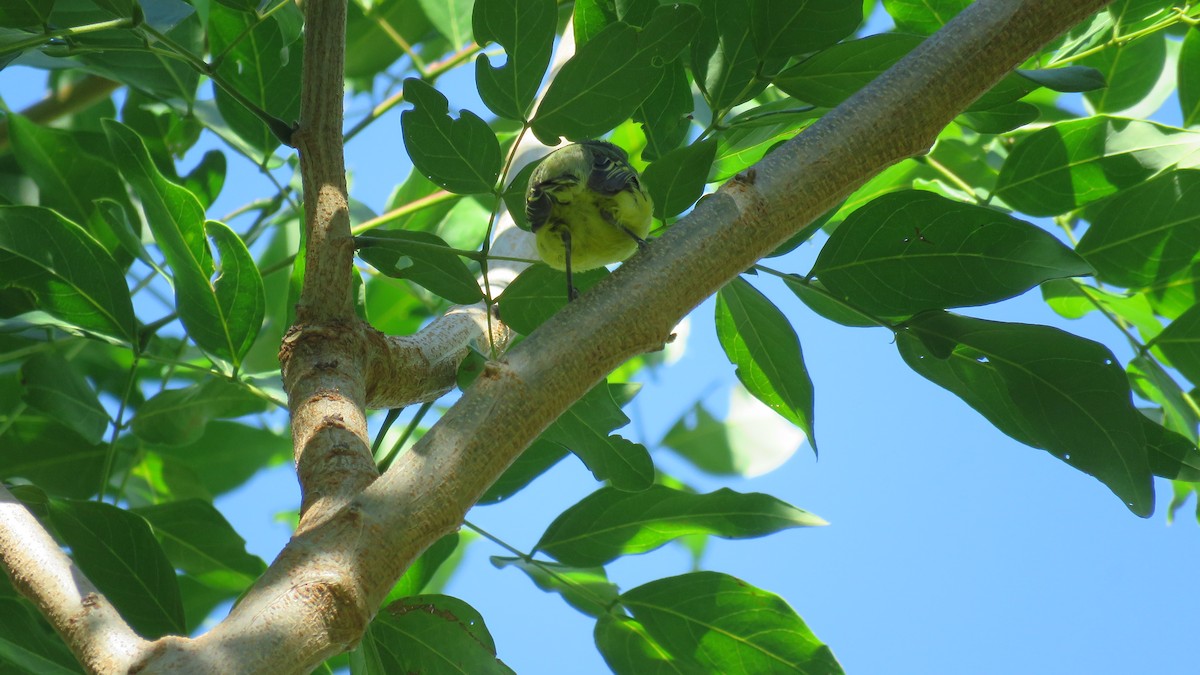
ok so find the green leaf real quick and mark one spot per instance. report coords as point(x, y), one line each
point(609, 523)
point(725, 625)
point(750, 441)
point(1066, 78)
point(1045, 388)
point(536, 460)
point(1188, 77)
point(197, 539)
point(26, 13)
point(225, 456)
point(432, 635)
point(831, 76)
point(179, 416)
point(911, 251)
point(52, 456)
point(665, 115)
point(784, 28)
point(586, 589)
point(424, 259)
point(69, 273)
point(584, 429)
point(538, 293)
point(1000, 119)
point(241, 297)
point(923, 16)
point(628, 648)
point(723, 57)
point(217, 321)
point(820, 300)
point(571, 106)
point(1180, 341)
point(125, 56)
point(1074, 300)
point(58, 390)
point(21, 656)
point(421, 572)
point(118, 553)
point(757, 131)
point(525, 28)
point(1130, 70)
point(676, 180)
point(462, 156)
point(262, 65)
point(414, 188)
point(591, 17)
point(1146, 233)
point(760, 341)
point(372, 28)
point(1072, 163)
point(451, 19)
point(71, 174)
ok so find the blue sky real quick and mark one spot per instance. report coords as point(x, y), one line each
point(951, 548)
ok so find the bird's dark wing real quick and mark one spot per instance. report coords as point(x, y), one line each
point(611, 172)
point(540, 199)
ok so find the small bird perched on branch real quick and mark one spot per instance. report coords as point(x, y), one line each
point(588, 208)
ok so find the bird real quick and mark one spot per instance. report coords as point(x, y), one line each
point(587, 207)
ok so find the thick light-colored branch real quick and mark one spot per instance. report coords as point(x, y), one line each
point(324, 356)
point(322, 590)
point(40, 571)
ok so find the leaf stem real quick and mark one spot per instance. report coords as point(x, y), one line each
point(40, 39)
point(118, 423)
point(399, 212)
point(408, 431)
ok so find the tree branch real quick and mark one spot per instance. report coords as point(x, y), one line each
point(318, 596)
point(40, 571)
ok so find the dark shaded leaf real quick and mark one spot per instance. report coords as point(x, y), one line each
point(1066, 78)
point(69, 273)
point(197, 539)
point(676, 180)
point(179, 416)
point(538, 293)
point(585, 429)
point(665, 115)
point(462, 156)
point(118, 553)
point(911, 251)
point(786, 28)
point(831, 76)
point(723, 57)
point(423, 259)
point(593, 92)
point(760, 341)
point(536, 460)
point(434, 634)
point(52, 386)
point(1045, 388)
point(525, 28)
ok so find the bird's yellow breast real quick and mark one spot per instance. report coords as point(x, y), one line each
point(595, 241)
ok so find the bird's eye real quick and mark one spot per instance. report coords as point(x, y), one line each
point(601, 161)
